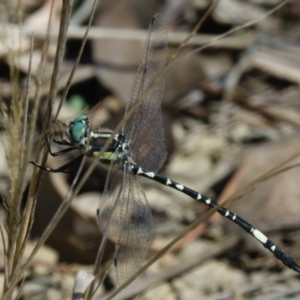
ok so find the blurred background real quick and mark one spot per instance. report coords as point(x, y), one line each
point(231, 113)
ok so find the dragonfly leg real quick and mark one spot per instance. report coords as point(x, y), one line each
point(63, 142)
point(69, 167)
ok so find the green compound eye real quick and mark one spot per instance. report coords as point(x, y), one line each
point(78, 130)
point(81, 118)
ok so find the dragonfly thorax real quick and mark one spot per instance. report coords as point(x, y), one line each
point(117, 152)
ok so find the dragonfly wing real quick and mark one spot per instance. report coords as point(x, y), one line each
point(144, 128)
point(125, 218)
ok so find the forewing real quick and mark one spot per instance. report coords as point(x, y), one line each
point(125, 218)
point(144, 129)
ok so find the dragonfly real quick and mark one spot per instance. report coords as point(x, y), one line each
point(123, 214)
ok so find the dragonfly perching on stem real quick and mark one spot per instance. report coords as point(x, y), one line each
point(124, 215)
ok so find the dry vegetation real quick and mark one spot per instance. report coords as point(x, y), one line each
point(231, 120)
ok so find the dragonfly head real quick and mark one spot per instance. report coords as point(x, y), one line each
point(78, 130)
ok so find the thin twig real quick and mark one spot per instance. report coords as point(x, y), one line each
point(5, 282)
point(195, 29)
point(21, 288)
point(95, 33)
point(62, 39)
point(68, 84)
point(26, 101)
point(238, 28)
point(24, 154)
